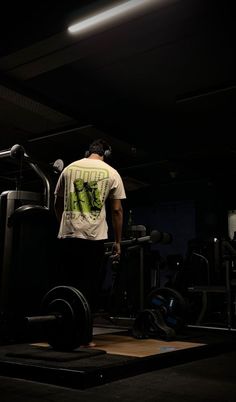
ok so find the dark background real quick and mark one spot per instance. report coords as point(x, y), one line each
point(157, 83)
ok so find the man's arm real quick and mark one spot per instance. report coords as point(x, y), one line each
point(59, 198)
point(117, 222)
point(58, 207)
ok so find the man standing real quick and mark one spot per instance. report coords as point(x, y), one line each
point(80, 206)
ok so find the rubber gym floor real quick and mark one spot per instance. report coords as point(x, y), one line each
point(199, 365)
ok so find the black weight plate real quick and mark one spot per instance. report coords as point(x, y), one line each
point(86, 333)
point(172, 305)
point(73, 324)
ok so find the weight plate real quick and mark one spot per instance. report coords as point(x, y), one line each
point(171, 304)
point(73, 326)
point(86, 332)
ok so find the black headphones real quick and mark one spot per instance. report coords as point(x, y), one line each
point(99, 147)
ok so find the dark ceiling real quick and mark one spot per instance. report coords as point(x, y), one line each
point(157, 82)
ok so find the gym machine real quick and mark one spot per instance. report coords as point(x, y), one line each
point(26, 248)
point(137, 244)
point(222, 261)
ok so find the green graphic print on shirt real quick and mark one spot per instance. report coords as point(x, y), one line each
point(86, 197)
point(89, 190)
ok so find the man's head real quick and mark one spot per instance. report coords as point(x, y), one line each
point(99, 147)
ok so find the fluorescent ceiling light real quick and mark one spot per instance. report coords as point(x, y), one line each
point(109, 14)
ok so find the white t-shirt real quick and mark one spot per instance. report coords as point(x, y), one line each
point(85, 185)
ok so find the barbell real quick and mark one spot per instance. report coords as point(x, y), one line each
point(65, 318)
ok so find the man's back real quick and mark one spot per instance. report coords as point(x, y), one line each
point(85, 185)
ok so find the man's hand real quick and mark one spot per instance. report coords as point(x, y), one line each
point(116, 250)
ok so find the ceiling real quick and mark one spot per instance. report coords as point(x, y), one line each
point(157, 82)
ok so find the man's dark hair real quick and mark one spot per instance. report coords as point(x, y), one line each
point(100, 147)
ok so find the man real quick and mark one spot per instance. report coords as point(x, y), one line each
point(80, 206)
